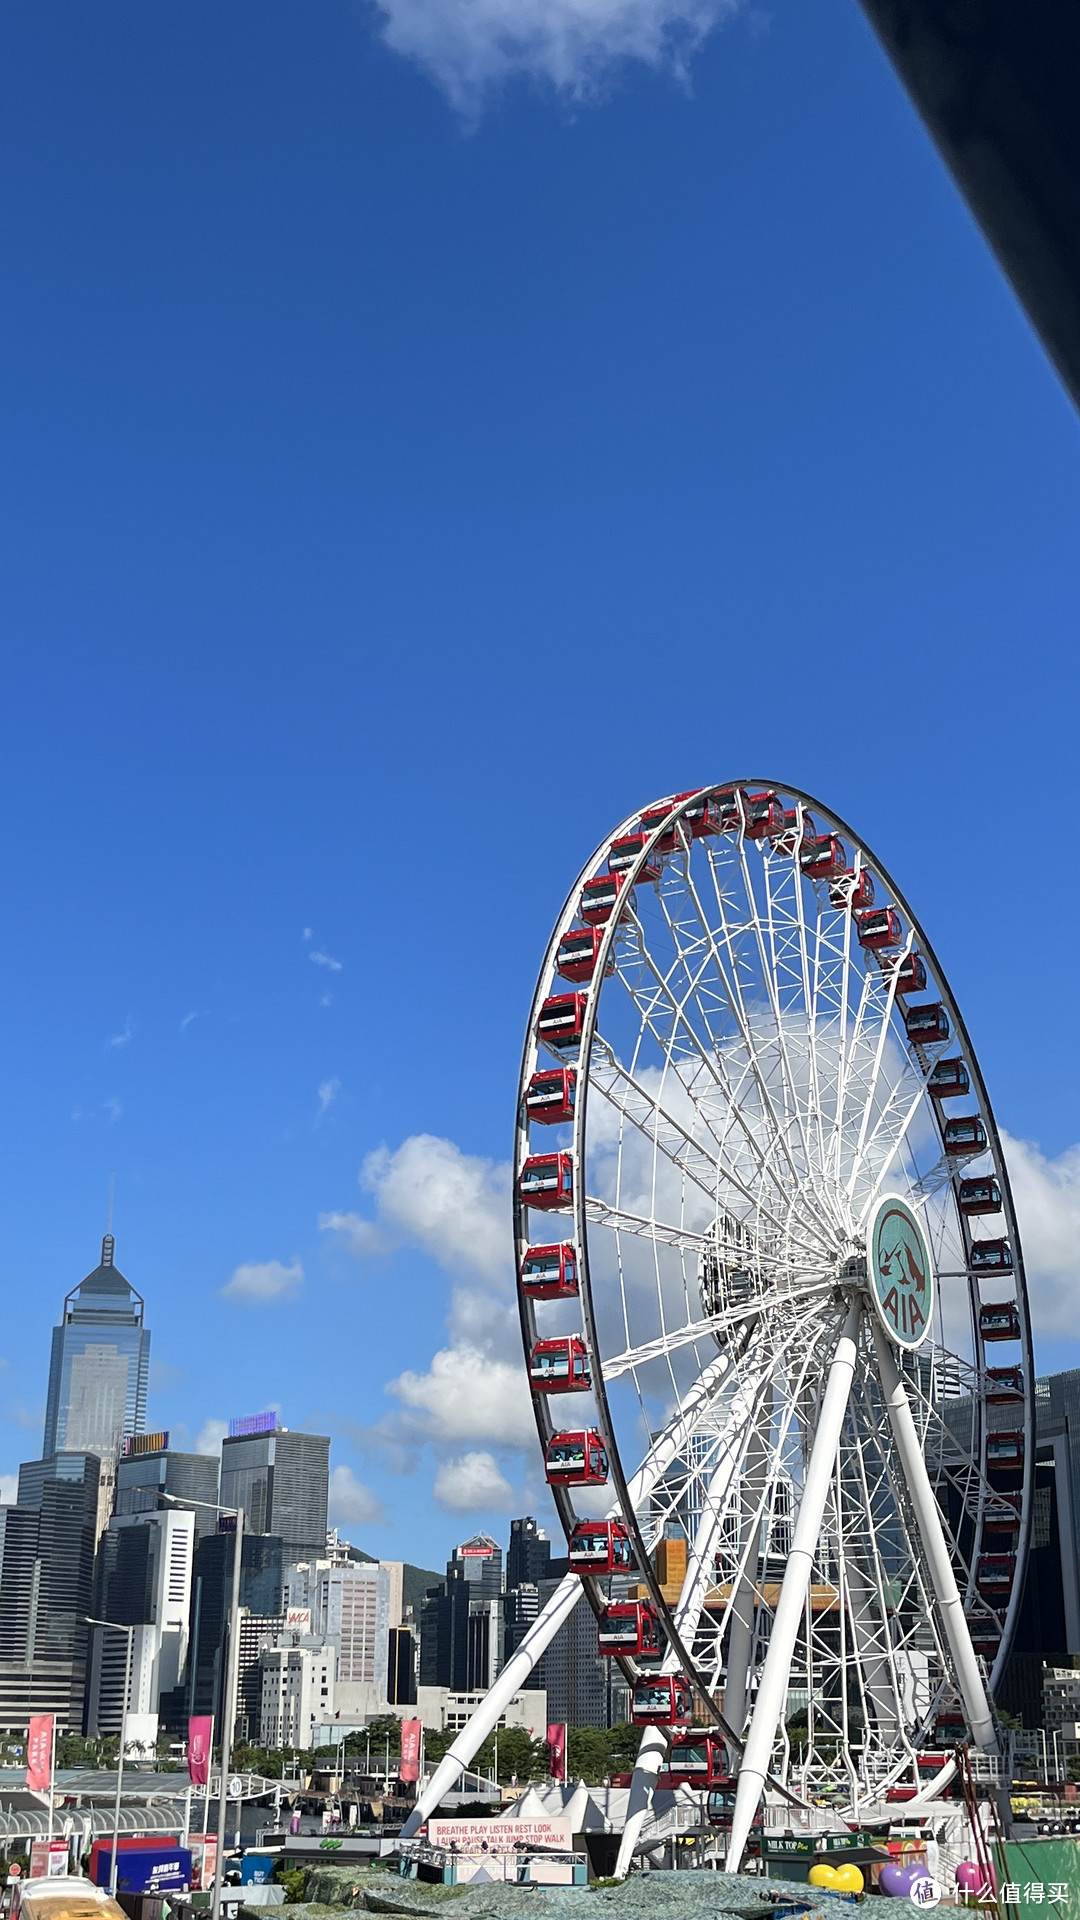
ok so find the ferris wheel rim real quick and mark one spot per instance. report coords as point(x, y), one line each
point(675, 809)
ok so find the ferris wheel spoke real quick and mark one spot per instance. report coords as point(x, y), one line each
point(665, 1133)
point(902, 1117)
point(729, 978)
point(767, 944)
point(714, 1064)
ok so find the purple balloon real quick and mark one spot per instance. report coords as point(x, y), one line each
point(894, 1879)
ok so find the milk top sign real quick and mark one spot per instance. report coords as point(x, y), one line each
point(901, 1276)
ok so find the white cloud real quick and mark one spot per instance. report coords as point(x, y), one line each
point(351, 1503)
point(126, 1034)
point(211, 1435)
point(1047, 1195)
point(306, 935)
point(112, 1109)
point(454, 1206)
point(326, 960)
point(361, 1237)
point(473, 1480)
point(429, 1194)
point(469, 1394)
point(328, 1093)
point(9, 1487)
point(188, 1018)
point(266, 1280)
point(471, 47)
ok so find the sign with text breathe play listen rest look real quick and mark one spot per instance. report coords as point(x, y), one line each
point(901, 1276)
point(501, 1836)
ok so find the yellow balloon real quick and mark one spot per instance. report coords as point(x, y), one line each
point(848, 1878)
point(824, 1876)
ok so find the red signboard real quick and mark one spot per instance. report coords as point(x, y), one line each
point(410, 1749)
point(200, 1733)
point(48, 1858)
point(39, 1746)
point(556, 1741)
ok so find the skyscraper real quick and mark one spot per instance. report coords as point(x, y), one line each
point(282, 1480)
point(529, 1557)
point(99, 1365)
point(47, 1543)
point(149, 1467)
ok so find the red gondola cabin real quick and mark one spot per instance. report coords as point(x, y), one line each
point(703, 818)
point(985, 1637)
point(696, 1760)
point(980, 1196)
point(853, 890)
point(764, 816)
point(600, 897)
point(995, 1572)
point(1000, 1321)
point(911, 974)
point(629, 1627)
point(546, 1181)
point(549, 1096)
point(700, 819)
point(623, 852)
point(561, 1020)
point(1005, 1450)
point(1004, 1384)
point(663, 1701)
point(600, 1546)
point(881, 927)
point(949, 1080)
point(824, 859)
point(729, 808)
point(991, 1256)
point(576, 1460)
point(965, 1137)
point(550, 1273)
point(578, 953)
point(654, 818)
point(927, 1025)
point(560, 1366)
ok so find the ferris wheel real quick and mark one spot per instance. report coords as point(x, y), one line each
point(773, 1310)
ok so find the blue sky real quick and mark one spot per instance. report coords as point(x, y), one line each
point(411, 465)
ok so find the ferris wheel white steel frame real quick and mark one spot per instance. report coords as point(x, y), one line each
point(751, 1094)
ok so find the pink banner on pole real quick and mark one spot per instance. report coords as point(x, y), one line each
point(200, 1733)
point(556, 1741)
point(39, 1753)
point(410, 1749)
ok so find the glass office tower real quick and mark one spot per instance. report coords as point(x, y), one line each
point(99, 1366)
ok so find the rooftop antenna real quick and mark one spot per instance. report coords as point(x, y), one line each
point(109, 1208)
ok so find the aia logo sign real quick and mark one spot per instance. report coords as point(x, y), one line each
point(901, 1276)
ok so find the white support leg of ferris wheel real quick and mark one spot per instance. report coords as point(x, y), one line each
point(497, 1699)
point(740, 1633)
point(559, 1608)
point(697, 1580)
point(928, 1516)
point(792, 1602)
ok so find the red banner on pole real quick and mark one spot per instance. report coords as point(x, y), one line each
point(200, 1733)
point(39, 1752)
point(556, 1741)
point(410, 1749)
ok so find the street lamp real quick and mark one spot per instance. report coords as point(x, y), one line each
point(232, 1679)
point(114, 1626)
